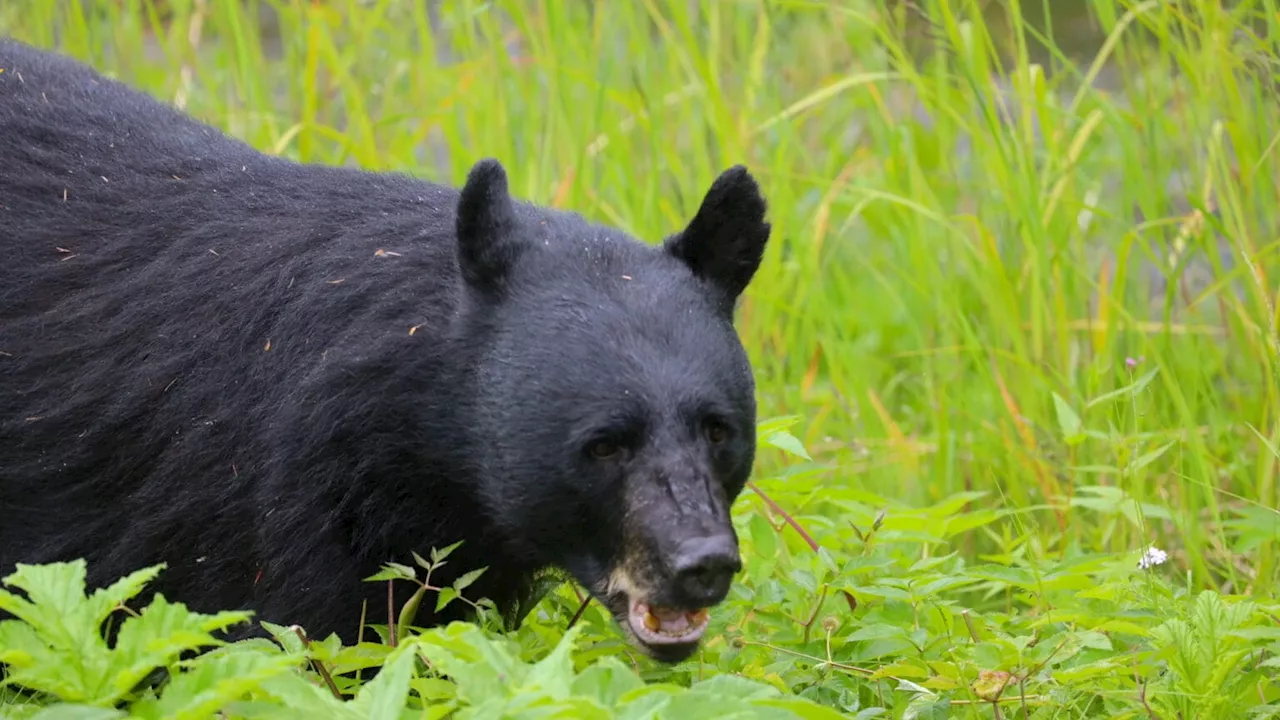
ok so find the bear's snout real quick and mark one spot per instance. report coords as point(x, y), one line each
point(704, 567)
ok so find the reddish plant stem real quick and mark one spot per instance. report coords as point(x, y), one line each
point(391, 614)
point(813, 544)
point(581, 609)
point(317, 665)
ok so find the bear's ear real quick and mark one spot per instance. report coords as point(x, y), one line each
point(486, 227)
point(725, 241)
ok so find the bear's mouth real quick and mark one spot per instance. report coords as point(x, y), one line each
point(656, 625)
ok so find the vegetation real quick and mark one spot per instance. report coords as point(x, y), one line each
point(1017, 326)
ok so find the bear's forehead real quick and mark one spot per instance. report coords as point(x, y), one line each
point(640, 290)
point(586, 260)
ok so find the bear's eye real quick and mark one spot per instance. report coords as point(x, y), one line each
point(716, 431)
point(603, 449)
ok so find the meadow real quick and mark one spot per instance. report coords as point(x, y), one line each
point(1016, 339)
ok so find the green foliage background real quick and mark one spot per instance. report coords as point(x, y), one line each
point(1018, 323)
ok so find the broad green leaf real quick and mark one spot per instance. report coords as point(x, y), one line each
point(1068, 421)
point(554, 675)
point(606, 681)
point(764, 540)
point(210, 682)
point(158, 636)
point(383, 698)
point(787, 442)
point(467, 578)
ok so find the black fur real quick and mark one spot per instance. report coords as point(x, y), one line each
point(275, 377)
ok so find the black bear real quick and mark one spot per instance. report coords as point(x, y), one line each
point(274, 377)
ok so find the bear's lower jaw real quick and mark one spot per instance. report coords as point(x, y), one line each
point(657, 626)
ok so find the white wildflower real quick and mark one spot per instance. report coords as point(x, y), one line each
point(1152, 557)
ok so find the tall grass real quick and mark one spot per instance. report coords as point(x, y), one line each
point(961, 232)
point(984, 243)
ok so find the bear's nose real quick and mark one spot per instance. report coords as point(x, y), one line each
point(704, 567)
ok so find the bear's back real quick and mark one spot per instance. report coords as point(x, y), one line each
point(165, 290)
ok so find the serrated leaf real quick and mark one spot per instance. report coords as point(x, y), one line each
point(210, 682)
point(467, 578)
point(158, 636)
point(57, 607)
point(306, 699)
point(360, 656)
point(479, 666)
point(439, 554)
point(383, 698)
point(34, 664)
point(286, 636)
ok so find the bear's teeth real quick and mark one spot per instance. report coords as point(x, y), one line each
point(652, 622)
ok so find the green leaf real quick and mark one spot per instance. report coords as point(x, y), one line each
point(764, 540)
point(210, 682)
point(306, 699)
point(409, 611)
point(393, 571)
point(553, 675)
point(69, 711)
point(445, 596)
point(1150, 457)
point(383, 698)
point(1130, 390)
point(481, 667)
point(927, 707)
point(606, 681)
point(772, 425)
point(438, 555)
point(788, 443)
point(467, 578)
point(1068, 421)
point(1094, 640)
point(876, 631)
point(1004, 574)
point(286, 636)
point(158, 636)
point(734, 686)
point(801, 708)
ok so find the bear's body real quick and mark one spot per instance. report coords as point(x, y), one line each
point(275, 377)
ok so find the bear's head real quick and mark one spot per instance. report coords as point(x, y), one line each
point(611, 405)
